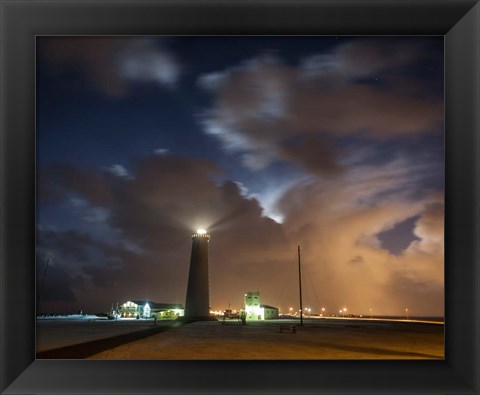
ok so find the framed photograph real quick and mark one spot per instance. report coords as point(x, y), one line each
point(231, 197)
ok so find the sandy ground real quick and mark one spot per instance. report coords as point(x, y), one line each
point(317, 339)
point(56, 333)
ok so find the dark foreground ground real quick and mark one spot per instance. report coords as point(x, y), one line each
point(58, 333)
point(317, 339)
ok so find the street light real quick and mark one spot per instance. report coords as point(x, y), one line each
point(323, 311)
point(406, 312)
point(290, 311)
point(370, 313)
point(344, 311)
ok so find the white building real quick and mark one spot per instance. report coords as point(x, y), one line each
point(148, 309)
point(270, 312)
point(256, 311)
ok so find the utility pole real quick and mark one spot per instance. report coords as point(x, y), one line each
point(300, 287)
point(43, 280)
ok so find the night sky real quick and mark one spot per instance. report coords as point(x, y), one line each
point(335, 144)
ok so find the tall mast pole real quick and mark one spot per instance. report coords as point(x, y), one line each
point(300, 287)
point(43, 280)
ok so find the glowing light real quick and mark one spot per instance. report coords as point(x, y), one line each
point(179, 312)
point(201, 231)
point(255, 312)
point(147, 310)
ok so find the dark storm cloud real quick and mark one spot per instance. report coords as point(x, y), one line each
point(156, 211)
point(356, 89)
point(68, 253)
point(69, 244)
point(90, 271)
point(316, 154)
point(153, 214)
point(58, 287)
point(100, 277)
point(54, 181)
point(54, 281)
point(109, 64)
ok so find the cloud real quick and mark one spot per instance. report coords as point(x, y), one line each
point(56, 282)
point(118, 170)
point(430, 229)
point(58, 286)
point(316, 154)
point(335, 220)
point(338, 229)
point(88, 213)
point(364, 58)
point(111, 64)
point(160, 151)
point(144, 61)
point(57, 179)
point(157, 211)
point(263, 105)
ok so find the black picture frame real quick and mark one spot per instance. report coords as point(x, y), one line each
point(21, 21)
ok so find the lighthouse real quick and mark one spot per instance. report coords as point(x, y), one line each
point(197, 303)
